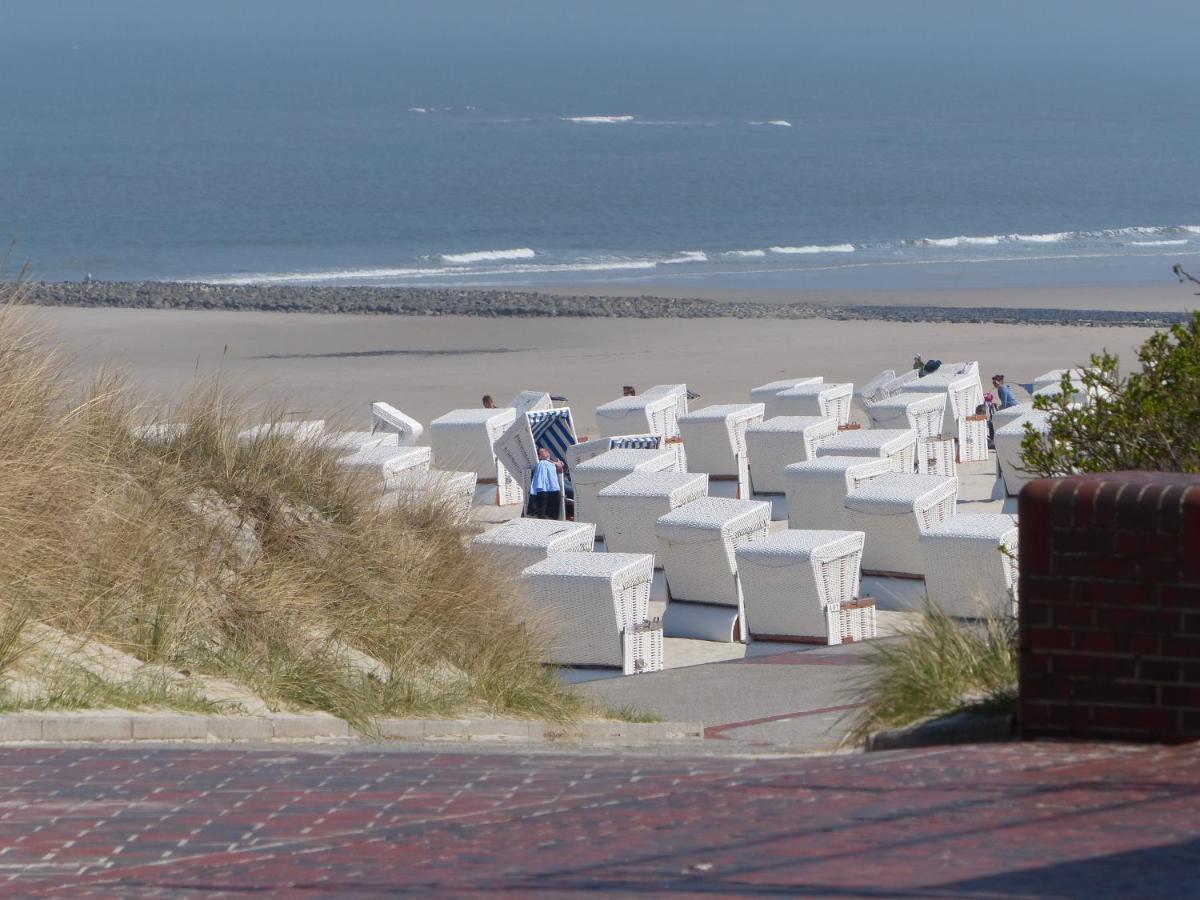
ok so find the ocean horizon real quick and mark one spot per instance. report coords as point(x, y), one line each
point(765, 146)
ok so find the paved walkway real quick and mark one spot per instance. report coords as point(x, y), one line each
point(983, 822)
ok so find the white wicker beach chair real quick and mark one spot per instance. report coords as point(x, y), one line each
point(971, 565)
point(774, 444)
point(1053, 378)
point(816, 490)
point(715, 440)
point(387, 463)
point(678, 391)
point(935, 456)
point(640, 414)
point(898, 445)
point(766, 393)
point(816, 400)
point(630, 508)
point(587, 602)
point(875, 389)
point(518, 543)
point(893, 512)
point(590, 477)
point(464, 440)
point(351, 441)
point(1009, 454)
point(297, 431)
point(697, 544)
point(924, 413)
point(899, 383)
point(802, 586)
point(973, 438)
point(516, 449)
point(959, 382)
point(531, 401)
point(1002, 417)
point(385, 417)
point(453, 491)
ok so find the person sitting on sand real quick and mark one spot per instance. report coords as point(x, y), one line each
point(545, 487)
point(629, 391)
point(1003, 392)
point(488, 402)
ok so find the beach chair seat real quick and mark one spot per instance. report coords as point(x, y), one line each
point(453, 491)
point(821, 399)
point(774, 444)
point(1009, 453)
point(296, 431)
point(387, 463)
point(714, 438)
point(816, 489)
point(924, 413)
point(897, 445)
point(464, 440)
point(640, 414)
point(893, 512)
point(802, 586)
point(697, 544)
point(971, 565)
point(587, 602)
point(519, 543)
point(600, 471)
point(766, 393)
point(973, 439)
point(630, 507)
point(386, 418)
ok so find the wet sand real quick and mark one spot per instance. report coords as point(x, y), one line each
point(331, 365)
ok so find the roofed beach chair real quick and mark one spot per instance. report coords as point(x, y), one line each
point(893, 512)
point(774, 444)
point(639, 414)
point(715, 440)
point(960, 384)
point(550, 429)
point(531, 401)
point(296, 431)
point(802, 586)
point(816, 489)
point(678, 391)
point(519, 543)
point(1009, 454)
point(385, 417)
point(417, 488)
point(630, 507)
point(897, 445)
point(387, 463)
point(923, 413)
point(817, 400)
point(590, 477)
point(464, 440)
point(596, 609)
point(697, 545)
point(766, 393)
point(971, 565)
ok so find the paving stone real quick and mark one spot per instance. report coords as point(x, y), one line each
point(169, 727)
point(307, 726)
point(240, 728)
point(20, 727)
point(99, 725)
point(483, 729)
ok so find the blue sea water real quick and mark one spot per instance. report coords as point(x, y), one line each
point(859, 145)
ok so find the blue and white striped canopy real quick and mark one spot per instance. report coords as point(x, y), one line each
point(553, 429)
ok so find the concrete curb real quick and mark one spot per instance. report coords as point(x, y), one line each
point(963, 728)
point(120, 726)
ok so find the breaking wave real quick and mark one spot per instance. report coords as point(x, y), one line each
point(487, 256)
point(597, 120)
point(815, 248)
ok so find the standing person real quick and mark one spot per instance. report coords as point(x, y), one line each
point(545, 487)
point(488, 402)
point(1004, 394)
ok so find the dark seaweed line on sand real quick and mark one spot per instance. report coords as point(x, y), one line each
point(506, 304)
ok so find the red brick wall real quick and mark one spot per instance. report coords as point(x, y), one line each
point(1110, 607)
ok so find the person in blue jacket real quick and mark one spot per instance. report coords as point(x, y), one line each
point(1004, 395)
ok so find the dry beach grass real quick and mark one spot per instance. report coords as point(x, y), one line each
point(265, 564)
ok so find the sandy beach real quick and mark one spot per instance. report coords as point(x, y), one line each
point(334, 365)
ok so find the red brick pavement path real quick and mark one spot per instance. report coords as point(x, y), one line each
point(987, 821)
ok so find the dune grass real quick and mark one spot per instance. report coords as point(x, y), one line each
point(267, 564)
point(941, 666)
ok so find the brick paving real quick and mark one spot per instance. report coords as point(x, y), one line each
point(986, 821)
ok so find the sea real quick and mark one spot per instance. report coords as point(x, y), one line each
point(757, 145)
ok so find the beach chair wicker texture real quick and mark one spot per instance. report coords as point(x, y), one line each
point(531, 401)
point(590, 477)
point(630, 507)
point(817, 400)
point(935, 456)
point(874, 389)
point(899, 445)
point(923, 413)
point(973, 439)
point(679, 392)
point(792, 581)
point(638, 415)
point(454, 491)
point(385, 417)
point(774, 444)
point(464, 440)
point(586, 602)
point(387, 462)
point(296, 431)
point(816, 489)
point(519, 543)
point(697, 543)
point(893, 512)
point(351, 441)
point(970, 565)
point(766, 393)
point(715, 438)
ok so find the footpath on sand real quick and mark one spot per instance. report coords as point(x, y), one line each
point(1001, 820)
